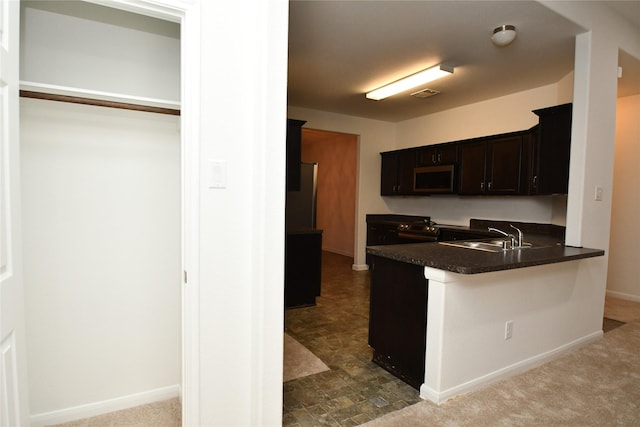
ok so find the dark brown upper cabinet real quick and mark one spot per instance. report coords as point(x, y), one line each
point(441, 154)
point(491, 165)
point(504, 165)
point(396, 178)
point(529, 162)
point(294, 154)
point(550, 148)
point(471, 172)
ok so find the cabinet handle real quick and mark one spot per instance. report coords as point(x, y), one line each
point(433, 158)
point(535, 182)
point(482, 186)
point(490, 185)
point(439, 157)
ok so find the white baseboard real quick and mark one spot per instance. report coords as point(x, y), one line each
point(439, 397)
point(359, 267)
point(105, 406)
point(622, 295)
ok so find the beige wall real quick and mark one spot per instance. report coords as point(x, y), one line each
point(336, 156)
point(499, 115)
point(101, 233)
point(624, 269)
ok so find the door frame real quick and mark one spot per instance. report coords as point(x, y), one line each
point(187, 14)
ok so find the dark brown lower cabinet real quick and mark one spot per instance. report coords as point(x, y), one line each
point(303, 268)
point(398, 318)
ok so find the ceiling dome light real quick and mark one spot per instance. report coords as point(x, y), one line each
point(504, 35)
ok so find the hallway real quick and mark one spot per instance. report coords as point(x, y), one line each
point(354, 390)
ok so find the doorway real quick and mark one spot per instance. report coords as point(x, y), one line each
point(625, 230)
point(336, 155)
point(182, 208)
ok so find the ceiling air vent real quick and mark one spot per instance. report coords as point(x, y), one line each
point(425, 93)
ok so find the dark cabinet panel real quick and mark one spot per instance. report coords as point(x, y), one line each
point(504, 166)
point(389, 174)
point(398, 318)
point(441, 154)
point(491, 166)
point(294, 154)
point(397, 172)
point(550, 151)
point(472, 167)
point(303, 264)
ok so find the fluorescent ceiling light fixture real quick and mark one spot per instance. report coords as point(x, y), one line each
point(410, 82)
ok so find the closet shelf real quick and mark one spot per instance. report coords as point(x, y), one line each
point(97, 98)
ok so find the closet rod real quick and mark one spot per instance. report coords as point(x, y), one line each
point(97, 102)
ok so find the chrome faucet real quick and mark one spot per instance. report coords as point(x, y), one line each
point(511, 237)
point(519, 240)
point(516, 242)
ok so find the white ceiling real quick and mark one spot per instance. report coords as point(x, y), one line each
point(338, 50)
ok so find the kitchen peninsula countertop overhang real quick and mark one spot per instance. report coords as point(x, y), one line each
point(469, 261)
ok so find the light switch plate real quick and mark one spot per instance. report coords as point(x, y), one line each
point(598, 194)
point(217, 174)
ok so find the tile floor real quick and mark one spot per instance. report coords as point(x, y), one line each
point(355, 390)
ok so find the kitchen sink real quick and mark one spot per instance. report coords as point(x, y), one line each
point(484, 245)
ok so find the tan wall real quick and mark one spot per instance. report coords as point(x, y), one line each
point(624, 269)
point(336, 155)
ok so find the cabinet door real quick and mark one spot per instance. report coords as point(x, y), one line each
point(504, 166)
point(294, 154)
point(531, 147)
point(472, 168)
point(426, 156)
point(398, 317)
point(444, 154)
point(551, 151)
point(448, 154)
point(396, 176)
point(389, 174)
point(406, 165)
point(303, 263)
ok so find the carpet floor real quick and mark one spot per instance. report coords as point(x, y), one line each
point(299, 361)
point(596, 385)
point(166, 413)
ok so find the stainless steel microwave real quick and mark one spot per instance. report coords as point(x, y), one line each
point(434, 179)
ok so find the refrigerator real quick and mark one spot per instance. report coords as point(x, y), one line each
point(300, 208)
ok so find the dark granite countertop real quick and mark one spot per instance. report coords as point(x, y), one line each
point(470, 261)
point(394, 219)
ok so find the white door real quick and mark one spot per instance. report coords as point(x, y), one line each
point(13, 377)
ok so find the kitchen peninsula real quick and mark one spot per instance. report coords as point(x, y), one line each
point(449, 319)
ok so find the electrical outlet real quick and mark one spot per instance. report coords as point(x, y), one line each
point(508, 329)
